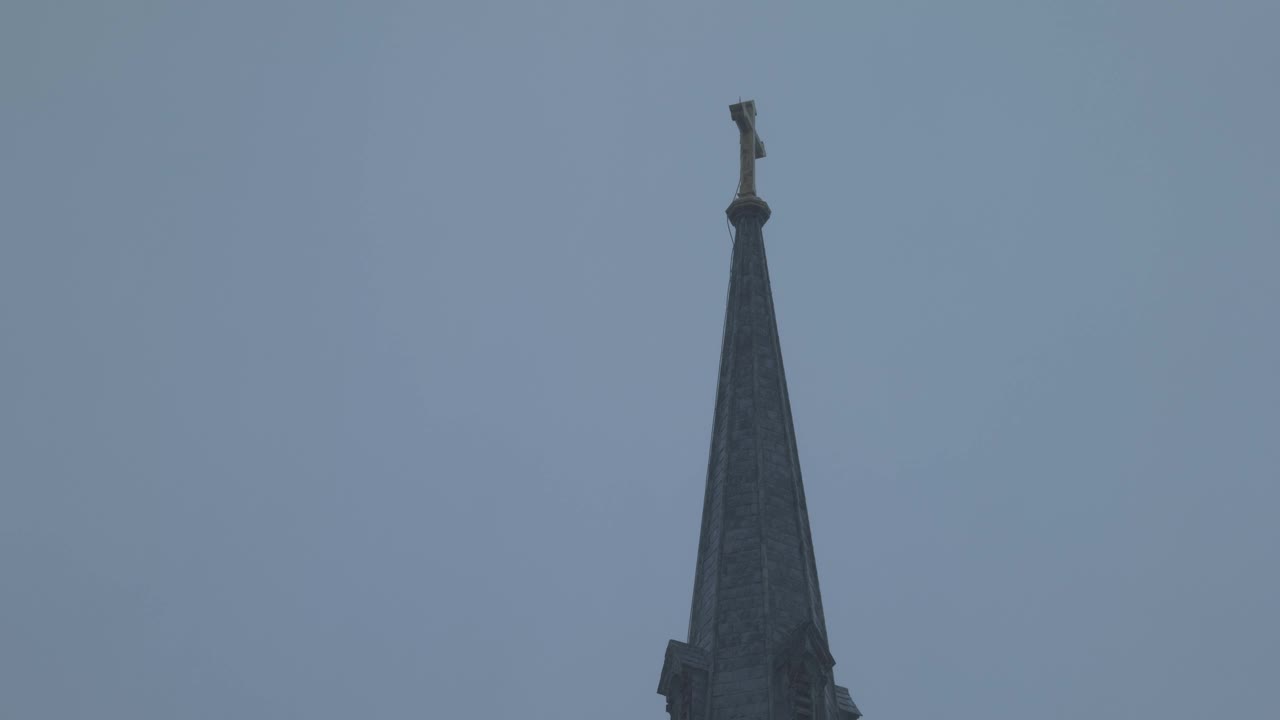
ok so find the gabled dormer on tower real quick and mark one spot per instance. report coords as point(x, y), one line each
point(757, 645)
point(684, 681)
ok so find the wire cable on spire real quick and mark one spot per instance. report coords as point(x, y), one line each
point(727, 226)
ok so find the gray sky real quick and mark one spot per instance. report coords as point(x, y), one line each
point(358, 359)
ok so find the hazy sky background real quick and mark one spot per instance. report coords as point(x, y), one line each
point(357, 360)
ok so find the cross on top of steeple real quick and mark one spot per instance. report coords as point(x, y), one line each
point(752, 147)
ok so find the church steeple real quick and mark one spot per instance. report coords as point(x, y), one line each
point(757, 644)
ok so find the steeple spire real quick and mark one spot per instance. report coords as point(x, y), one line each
point(757, 644)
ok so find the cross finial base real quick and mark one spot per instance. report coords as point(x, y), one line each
point(748, 207)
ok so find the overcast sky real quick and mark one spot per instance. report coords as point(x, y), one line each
point(357, 360)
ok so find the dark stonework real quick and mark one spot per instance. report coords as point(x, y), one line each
point(757, 645)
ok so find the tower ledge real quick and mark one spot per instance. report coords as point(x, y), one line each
point(748, 207)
